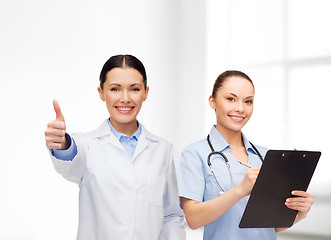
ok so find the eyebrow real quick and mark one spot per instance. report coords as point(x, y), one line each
point(119, 85)
point(232, 94)
point(116, 84)
point(134, 84)
point(237, 96)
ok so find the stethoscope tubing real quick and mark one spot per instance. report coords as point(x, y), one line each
point(226, 162)
point(212, 170)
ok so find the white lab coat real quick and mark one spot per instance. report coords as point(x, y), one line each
point(124, 198)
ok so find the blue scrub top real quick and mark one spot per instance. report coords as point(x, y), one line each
point(196, 182)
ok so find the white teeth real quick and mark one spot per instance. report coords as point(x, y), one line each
point(238, 118)
point(124, 109)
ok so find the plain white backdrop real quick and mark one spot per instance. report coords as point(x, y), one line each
point(56, 49)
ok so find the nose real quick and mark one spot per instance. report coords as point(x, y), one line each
point(240, 107)
point(125, 97)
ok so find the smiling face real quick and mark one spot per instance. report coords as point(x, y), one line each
point(233, 104)
point(124, 92)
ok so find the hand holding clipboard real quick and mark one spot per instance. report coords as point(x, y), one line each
point(280, 174)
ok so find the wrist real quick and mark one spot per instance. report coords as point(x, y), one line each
point(301, 216)
point(239, 191)
point(67, 142)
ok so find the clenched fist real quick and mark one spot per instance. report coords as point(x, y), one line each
point(56, 130)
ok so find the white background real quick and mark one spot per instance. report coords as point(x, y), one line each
point(56, 49)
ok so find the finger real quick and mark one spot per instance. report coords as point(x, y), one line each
point(55, 139)
point(53, 145)
point(253, 170)
point(299, 200)
point(302, 207)
point(299, 203)
point(308, 201)
point(59, 115)
point(301, 193)
point(56, 124)
point(56, 136)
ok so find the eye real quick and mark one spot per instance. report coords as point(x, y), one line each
point(230, 99)
point(135, 89)
point(249, 101)
point(114, 89)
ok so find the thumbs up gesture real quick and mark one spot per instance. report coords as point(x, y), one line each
point(56, 130)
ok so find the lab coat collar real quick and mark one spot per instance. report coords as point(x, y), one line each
point(144, 140)
point(103, 131)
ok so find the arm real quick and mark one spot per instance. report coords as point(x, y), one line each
point(173, 223)
point(302, 203)
point(199, 214)
point(55, 137)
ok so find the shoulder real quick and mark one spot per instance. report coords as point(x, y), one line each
point(102, 130)
point(248, 144)
point(196, 146)
point(263, 150)
point(152, 138)
point(195, 151)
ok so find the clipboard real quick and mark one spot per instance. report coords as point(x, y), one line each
point(281, 172)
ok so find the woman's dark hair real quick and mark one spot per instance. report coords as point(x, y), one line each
point(225, 75)
point(122, 61)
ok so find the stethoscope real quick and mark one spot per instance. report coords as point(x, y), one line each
point(226, 162)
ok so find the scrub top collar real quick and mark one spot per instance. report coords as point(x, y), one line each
point(248, 145)
point(217, 140)
point(220, 144)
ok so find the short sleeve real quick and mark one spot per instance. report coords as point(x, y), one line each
point(191, 180)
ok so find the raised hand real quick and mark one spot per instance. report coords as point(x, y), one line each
point(56, 129)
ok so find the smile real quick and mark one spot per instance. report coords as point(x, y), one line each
point(237, 118)
point(124, 108)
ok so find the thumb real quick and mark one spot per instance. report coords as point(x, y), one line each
point(59, 115)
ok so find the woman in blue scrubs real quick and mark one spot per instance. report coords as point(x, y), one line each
point(218, 206)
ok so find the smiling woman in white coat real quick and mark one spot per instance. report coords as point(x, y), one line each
point(126, 175)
